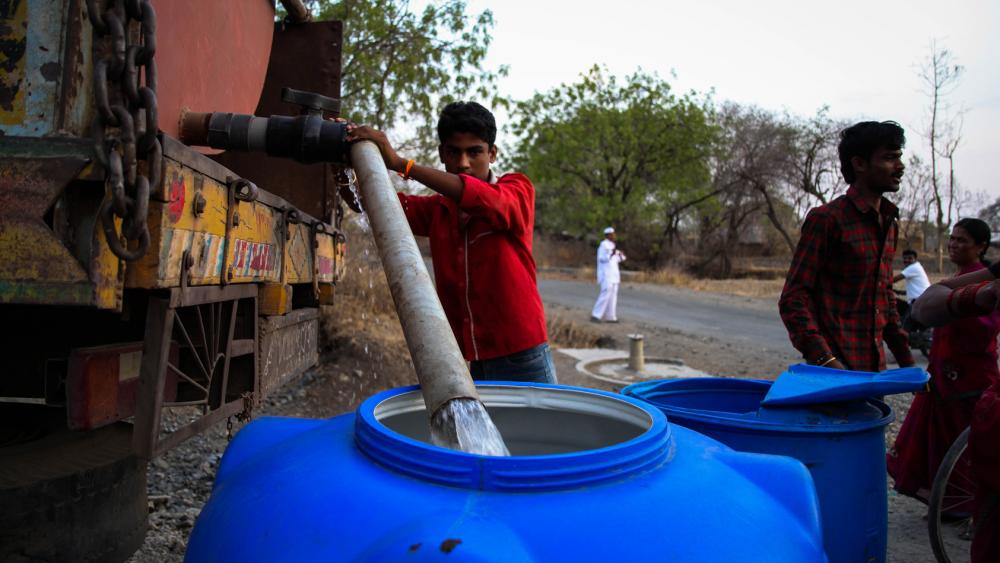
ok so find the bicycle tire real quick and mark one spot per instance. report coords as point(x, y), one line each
point(939, 501)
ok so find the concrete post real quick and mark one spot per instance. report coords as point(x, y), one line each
point(636, 359)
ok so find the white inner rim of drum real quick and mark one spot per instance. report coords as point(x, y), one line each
point(502, 396)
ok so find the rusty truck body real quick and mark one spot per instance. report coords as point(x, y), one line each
point(139, 276)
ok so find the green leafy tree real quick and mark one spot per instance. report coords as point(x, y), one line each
point(400, 67)
point(606, 151)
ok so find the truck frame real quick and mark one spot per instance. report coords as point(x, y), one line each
point(140, 276)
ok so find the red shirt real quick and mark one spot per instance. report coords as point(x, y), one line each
point(838, 297)
point(483, 266)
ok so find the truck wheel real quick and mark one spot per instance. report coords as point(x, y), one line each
point(70, 496)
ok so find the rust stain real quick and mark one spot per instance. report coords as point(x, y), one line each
point(50, 71)
point(73, 62)
point(448, 545)
point(13, 42)
point(33, 256)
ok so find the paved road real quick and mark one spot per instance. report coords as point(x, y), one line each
point(740, 320)
point(753, 322)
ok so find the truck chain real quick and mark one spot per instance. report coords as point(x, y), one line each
point(125, 125)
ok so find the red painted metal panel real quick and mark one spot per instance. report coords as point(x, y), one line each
point(210, 56)
point(305, 57)
point(102, 382)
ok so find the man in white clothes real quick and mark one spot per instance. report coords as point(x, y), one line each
point(914, 274)
point(608, 278)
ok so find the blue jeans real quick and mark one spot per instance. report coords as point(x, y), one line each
point(534, 364)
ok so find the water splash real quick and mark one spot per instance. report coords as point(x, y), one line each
point(463, 424)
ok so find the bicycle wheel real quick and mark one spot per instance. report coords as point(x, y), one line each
point(953, 490)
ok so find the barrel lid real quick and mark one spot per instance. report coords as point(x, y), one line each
point(803, 384)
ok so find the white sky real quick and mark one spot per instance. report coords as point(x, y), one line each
point(860, 57)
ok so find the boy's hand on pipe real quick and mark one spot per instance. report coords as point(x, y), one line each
point(357, 132)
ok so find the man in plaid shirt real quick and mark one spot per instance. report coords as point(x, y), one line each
point(838, 304)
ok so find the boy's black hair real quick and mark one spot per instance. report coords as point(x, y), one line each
point(910, 252)
point(467, 117)
point(863, 139)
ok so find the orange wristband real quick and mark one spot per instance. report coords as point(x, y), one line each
point(406, 172)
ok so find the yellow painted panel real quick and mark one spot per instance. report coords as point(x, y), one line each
point(327, 259)
point(106, 272)
point(274, 299)
point(193, 219)
point(13, 32)
point(254, 255)
point(298, 255)
point(31, 252)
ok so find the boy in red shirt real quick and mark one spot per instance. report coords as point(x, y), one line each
point(480, 228)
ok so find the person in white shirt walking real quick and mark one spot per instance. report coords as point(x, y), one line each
point(608, 278)
point(914, 274)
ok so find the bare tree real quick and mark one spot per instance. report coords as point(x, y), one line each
point(914, 201)
point(721, 227)
point(940, 75)
point(760, 156)
point(951, 141)
point(966, 201)
point(814, 166)
point(991, 214)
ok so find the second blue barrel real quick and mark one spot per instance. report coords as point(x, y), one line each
point(820, 417)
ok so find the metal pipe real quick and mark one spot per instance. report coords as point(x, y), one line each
point(297, 12)
point(306, 138)
point(441, 369)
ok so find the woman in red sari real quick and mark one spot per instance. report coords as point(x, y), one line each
point(963, 364)
point(975, 294)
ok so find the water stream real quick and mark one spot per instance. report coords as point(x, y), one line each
point(463, 424)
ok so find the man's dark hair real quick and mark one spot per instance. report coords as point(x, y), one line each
point(863, 139)
point(910, 252)
point(467, 117)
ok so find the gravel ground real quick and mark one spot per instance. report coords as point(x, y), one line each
point(180, 481)
point(359, 365)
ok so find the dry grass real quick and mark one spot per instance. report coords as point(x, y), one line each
point(365, 313)
point(549, 253)
point(744, 287)
point(364, 309)
point(570, 334)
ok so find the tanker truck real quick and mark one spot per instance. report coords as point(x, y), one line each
point(141, 279)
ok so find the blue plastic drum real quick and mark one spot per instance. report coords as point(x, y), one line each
point(594, 476)
point(839, 437)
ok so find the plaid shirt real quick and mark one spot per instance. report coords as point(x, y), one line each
point(838, 297)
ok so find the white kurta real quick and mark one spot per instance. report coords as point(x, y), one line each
point(609, 278)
